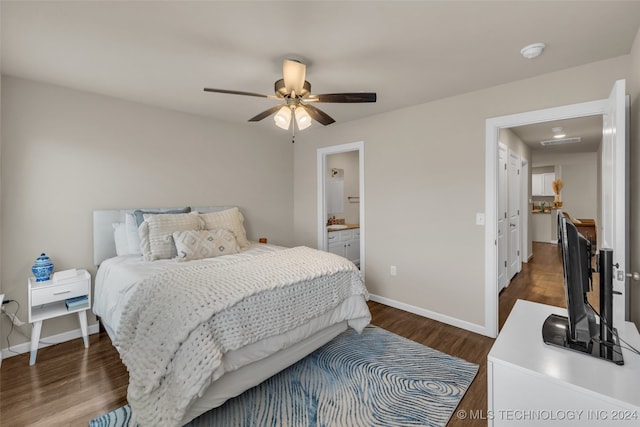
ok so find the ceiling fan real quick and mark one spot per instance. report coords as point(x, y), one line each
point(295, 93)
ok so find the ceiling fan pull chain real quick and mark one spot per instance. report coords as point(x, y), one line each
point(293, 132)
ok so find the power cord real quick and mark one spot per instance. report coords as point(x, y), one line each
point(628, 346)
point(11, 317)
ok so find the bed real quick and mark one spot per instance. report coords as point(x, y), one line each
point(317, 294)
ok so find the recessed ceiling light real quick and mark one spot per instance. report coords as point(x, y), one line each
point(561, 141)
point(557, 132)
point(533, 50)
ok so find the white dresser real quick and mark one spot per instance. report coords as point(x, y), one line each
point(532, 384)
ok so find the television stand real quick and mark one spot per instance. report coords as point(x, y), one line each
point(555, 331)
point(532, 384)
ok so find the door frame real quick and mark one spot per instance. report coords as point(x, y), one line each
point(517, 188)
point(492, 131)
point(503, 179)
point(321, 161)
point(524, 217)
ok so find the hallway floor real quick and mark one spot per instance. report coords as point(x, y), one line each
point(541, 280)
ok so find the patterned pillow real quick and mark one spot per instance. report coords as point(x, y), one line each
point(156, 240)
point(198, 244)
point(229, 219)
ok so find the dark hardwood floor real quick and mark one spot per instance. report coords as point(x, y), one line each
point(69, 385)
point(541, 280)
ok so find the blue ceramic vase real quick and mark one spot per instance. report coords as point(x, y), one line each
point(42, 268)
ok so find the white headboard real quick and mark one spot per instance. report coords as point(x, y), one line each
point(104, 245)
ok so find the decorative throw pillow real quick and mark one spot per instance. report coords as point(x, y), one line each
point(133, 238)
point(229, 219)
point(198, 244)
point(158, 230)
point(139, 214)
point(145, 248)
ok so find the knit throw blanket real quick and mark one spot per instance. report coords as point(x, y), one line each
point(179, 324)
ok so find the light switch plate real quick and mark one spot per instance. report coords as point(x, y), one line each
point(479, 218)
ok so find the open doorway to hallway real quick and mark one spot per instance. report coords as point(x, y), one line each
point(612, 197)
point(569, 156)
point(541, 280)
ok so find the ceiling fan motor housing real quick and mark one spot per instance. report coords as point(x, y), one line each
point(282, 92)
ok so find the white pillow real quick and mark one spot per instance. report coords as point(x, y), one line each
point(198, 244)
point(133, 238)
point(120, 238)
point(158, 232)
point(229, 219)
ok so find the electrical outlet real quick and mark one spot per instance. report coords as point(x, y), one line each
point(392, 270)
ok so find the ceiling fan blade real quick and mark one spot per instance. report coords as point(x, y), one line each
point(237, 92)
point(265, 113)
point(294, 74)
point(319, 115)
point(343, 97)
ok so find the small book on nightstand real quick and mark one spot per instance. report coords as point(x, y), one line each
point(77, 302)
point(65, 274)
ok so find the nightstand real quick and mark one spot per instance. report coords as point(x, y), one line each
point(47, 300)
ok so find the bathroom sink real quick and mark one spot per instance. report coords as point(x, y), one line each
point(337, 226)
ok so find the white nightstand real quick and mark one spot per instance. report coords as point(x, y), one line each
point(47, 300)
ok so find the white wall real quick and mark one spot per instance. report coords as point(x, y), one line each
point(66, 153)
point(424, 173)
point(579, 173)
point(634, 226)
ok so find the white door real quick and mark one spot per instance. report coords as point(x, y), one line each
point(514, 187)
point(503, 220)
point(615, 193)
point(525, 209)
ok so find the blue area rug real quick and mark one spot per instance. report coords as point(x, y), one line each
point(373, 379)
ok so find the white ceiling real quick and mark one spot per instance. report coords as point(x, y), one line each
point(588, 128)
point(164, 53)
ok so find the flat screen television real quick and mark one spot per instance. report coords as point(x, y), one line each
point(579, 331)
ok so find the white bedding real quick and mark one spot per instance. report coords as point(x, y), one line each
point(118, 278)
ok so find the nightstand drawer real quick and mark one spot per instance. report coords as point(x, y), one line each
point(52, 293)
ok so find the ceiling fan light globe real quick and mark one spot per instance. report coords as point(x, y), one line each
point(294, 73)
point(303, 119)
point(283, 118)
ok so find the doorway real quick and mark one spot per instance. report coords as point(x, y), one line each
point(334, 193)
point(614, 173)
point(512, 216)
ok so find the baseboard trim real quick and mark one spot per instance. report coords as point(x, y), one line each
point(48, 341)
point(462, 324)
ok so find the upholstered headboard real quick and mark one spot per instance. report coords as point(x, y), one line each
point(104, 245)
